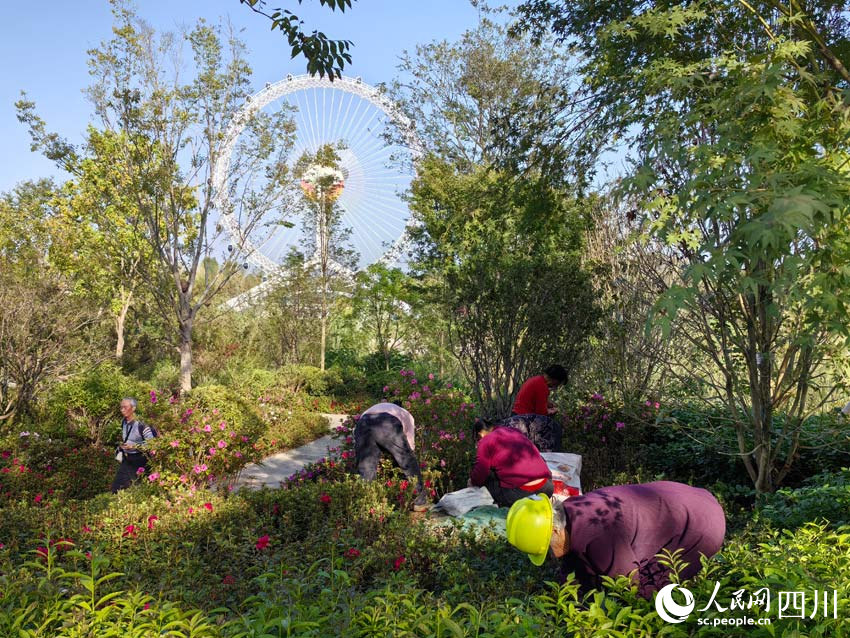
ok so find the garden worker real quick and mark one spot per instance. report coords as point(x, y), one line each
point(533, 413)
point(508, 465)
point(620, 531)
point(388, 427)
point(134, 434)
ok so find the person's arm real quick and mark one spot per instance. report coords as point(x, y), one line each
point(481, 469)
point(612, 555)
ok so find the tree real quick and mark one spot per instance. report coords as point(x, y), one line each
point(510, 278)
point(173, 133)
point(324, 56)
point(96, 243)
point(382, 302)
point(44, 333)
point(739, 125)
point(499, 251)
point(322, 183)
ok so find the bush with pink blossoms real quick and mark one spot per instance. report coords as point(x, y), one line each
point(444, 446)
point(207, 435)
point(609, 437)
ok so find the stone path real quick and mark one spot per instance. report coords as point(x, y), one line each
point(276, 468)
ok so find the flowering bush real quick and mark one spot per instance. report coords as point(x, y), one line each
point(42, 470)
point(209, 434)
point(609, 438)
point(444, 448)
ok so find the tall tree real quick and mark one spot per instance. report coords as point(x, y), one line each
point(739, 123)
point(322, 183)
point(382, 301)
point(500, 251)
point(44, 331)
point(174, 131)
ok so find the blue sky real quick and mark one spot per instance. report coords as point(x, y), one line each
point(43, 47)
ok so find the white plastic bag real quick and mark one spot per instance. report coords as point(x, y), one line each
point(460, 502)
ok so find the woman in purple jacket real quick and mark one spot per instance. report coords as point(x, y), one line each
point(622, 531)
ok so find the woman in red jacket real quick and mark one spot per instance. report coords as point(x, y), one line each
point(508, 465)
point(533, 414)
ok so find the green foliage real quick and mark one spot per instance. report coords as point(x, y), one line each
point(88, 402)
point(824, 497)
point(46, 471)
point(324, 56)
point(208, 434)
point(611, 439)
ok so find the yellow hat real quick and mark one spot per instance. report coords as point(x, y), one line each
point(529, 526)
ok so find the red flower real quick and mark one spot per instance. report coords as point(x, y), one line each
point(398, 562)
point(351, 553)
point(262, 542)
point(37, 498)
point(228, 580)
point(209, 506)
point(130, 531)
point(325, 498)
point(151, 520)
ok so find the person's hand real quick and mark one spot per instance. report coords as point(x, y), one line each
point(469, 483)
point(550, 411)
point(127, 446)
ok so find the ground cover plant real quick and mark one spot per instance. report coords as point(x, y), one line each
point(330, 555)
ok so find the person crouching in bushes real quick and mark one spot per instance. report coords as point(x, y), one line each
point(388, 427)
point(534, 415)
point(508, 464)
point(134, 434)
point(625, 530)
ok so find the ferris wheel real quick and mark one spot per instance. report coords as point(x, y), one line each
point(376, 148)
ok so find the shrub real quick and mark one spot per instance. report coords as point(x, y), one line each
point(824, 497)
point(209, 434)
point(609, 438)
point(42, 471)
point(89, 402)
point(166, 375)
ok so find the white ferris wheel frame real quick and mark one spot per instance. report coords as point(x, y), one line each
point(253, 104)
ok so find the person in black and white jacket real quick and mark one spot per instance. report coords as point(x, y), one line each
point(134, 435)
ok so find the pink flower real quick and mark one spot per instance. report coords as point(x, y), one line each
point(154, 476)
point(175, 443)
point(183, 478)
point(37, 498)
point(208, 507)
point(140, 471)
point(262, 542)
point(386, 388)
point(151, 520)
point(398, 562)
point(153, 396)
point(212, 451)
point(147, 606)
point(620, 425)
point(222, 444)
point(430, 376)
point(191, 510)
point(207, 428)
point(86, 529)
point(200, 468)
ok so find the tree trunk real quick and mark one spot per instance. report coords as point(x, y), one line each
point(119, 324)
point(185, 355)
point(324, 323)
